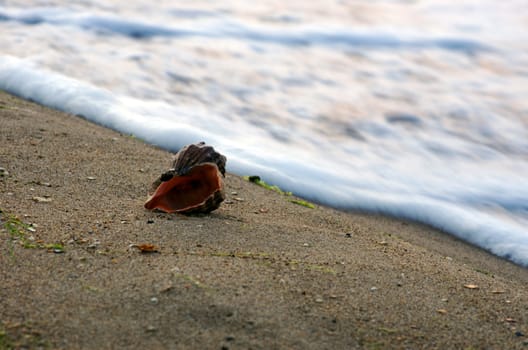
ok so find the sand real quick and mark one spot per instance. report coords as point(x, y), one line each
point(260, 272)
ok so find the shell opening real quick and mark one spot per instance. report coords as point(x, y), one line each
point(188, 192)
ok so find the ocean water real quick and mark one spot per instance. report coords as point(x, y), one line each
point(415, 109)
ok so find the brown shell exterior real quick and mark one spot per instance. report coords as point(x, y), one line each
point(195, 154)
point(184, 161)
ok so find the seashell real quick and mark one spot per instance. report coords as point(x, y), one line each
point(194, 184)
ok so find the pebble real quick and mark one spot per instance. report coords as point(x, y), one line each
point(91, 178)
point(373, 289)
point(151, 329)
point(154, 301)
point(94, 245)
point(318, 300)
point(3, 172)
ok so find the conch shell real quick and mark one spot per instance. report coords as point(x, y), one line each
point(194, 184)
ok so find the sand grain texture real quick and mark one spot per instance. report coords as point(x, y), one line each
point(259, 273)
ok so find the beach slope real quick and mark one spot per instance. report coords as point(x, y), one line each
point(261, 272)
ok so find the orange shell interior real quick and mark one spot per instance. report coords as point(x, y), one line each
point(183, 193)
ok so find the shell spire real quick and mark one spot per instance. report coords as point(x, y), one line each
point(194, 184)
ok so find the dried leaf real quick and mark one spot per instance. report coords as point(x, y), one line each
point(442, 311)
point(499, 291)
point(510, 320)
point(147, 248)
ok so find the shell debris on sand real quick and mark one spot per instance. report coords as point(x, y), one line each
point(194, 184)
point(39, 199)
point(471, 286)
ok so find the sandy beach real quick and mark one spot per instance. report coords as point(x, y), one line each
point(261, 272)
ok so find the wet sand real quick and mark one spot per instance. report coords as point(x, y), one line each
point(260, 272)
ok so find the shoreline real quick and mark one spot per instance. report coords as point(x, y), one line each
point(259, 272)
